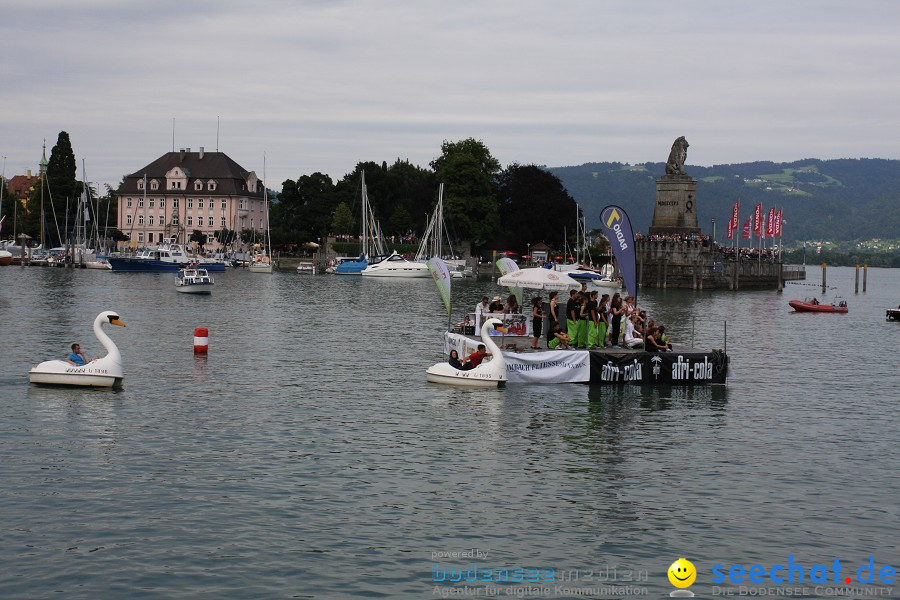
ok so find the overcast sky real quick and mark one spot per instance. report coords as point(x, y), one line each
point(321, 85)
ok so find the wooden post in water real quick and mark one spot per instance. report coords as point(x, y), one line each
point(865, 275)
point(824, 267)
point(856, 283)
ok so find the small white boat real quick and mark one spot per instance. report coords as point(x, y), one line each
point(103, 372)
point(490, 373)
point(306, 268)
point(397, 266)
point(193, 281)
point(99, 263)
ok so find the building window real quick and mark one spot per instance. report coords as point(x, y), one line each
point(128, 203)
point(140, 184)
point(243, 204)
point(224, 204)
point(150, 235)
point(198, 186)
point(212, 187)
point(150, 221)
point(154, 185)
point(199, 202)
point(128, 220)
point(222, 225)
point(140, 203)
point(174, 219)
point(140, 219)
point(211, 223)
point(174, 202)
point(190, 203)
point(141, 237)
point(151, 202)
point(190, 221)
point(210, 239)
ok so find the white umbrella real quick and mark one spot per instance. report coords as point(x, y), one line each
point(541, 279)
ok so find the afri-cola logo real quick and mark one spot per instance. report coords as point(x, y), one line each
point(793, 572)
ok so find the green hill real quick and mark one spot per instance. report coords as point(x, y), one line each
point(838, 200)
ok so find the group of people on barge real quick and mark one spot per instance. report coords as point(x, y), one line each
point(589, 321)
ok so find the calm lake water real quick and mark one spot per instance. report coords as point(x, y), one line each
point(307, 457)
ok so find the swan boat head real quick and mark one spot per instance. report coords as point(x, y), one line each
point(490, 373)
point(103, 372)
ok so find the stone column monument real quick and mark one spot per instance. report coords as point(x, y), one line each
point(676, 196)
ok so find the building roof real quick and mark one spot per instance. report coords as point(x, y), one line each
point(19, 185)
point(229, 175)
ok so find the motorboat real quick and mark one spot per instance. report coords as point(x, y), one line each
point(307, 268)
point(193, 281)
point(490, 373)
point(103, 372)
point(167, 256)
point(5, 258)
point(396, 266)
point(892, 314)
point(813, 305)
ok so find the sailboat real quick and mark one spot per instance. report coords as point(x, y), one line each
point(433, 242)
point(371, 232)
point(261, 261)
point(5, 255)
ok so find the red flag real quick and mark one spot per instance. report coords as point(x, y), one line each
point(747, 228)
point(778, 224)
point(757, 220)
point(733, 222)
point(770, 224)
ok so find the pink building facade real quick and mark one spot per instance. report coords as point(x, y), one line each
point(184, 191)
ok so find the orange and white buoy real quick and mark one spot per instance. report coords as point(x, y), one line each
point(201, 340)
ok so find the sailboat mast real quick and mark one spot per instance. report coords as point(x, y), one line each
point(43, 179)
point(364, 216)
point(266, 202)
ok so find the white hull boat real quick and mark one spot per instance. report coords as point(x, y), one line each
point(397, 266)
point(103, 372)
point(194, 281)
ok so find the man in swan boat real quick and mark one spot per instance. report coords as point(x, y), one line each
point(77, 358)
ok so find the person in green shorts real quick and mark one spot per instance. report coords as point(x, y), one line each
point(572, 309)
point(557, 337)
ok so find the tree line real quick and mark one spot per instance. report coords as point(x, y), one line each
point(485, 205)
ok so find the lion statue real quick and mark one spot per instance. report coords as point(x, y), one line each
point(675, 164)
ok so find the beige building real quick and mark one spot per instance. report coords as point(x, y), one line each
point(185, 191)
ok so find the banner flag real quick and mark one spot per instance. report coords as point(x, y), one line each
point(616, 227)
point(746, 235)
point(734, 222)
point(757, 220)
point(506, 265)
point(441, 275)
point(770, 224)
point(778, 224)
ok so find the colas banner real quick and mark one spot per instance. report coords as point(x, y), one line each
point(617, 228)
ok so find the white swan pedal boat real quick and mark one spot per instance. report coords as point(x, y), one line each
point(103, 372)
point(193, 281)
point(490, 373)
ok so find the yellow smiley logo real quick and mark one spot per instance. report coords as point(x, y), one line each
point(682, 573)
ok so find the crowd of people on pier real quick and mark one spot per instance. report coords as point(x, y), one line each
point(681, 240)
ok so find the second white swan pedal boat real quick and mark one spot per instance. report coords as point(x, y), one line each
point(490, 373)
point(103, 372)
